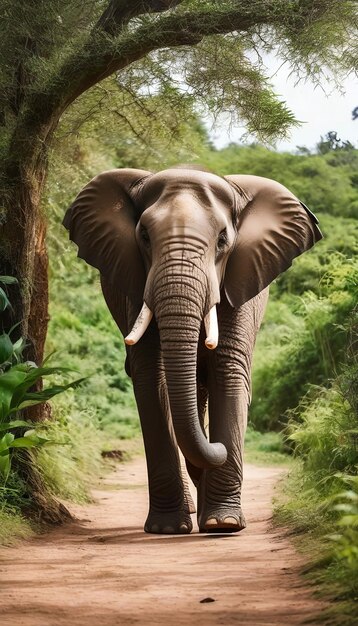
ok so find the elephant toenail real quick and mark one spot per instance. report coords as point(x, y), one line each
point(155, 528)
point(183, 528)
point(230, 520)
point(211, 522)
point(168, 530)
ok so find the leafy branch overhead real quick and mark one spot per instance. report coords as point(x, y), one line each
point(70, 48)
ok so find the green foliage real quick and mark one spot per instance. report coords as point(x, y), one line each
point(4, 300)
point(219, 74)
point(322, 492)
point(326, 183)
point(211, 51)
point(346, 536)
point(302, 340)
point(16, 382)
point(265, 448)
point(13, 526)
point(69, 470)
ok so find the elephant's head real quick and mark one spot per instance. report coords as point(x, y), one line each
point(178, 241)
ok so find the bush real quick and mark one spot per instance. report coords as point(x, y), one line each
point(302, 342)
point(322, 491)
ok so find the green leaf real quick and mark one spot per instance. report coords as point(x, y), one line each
point(33, 375)
point(13, 327)
point(6, 441)
point(4, 300)
point(9, 382)
point(14, 424)
point(24, 442)
point(19, 378)
point(6, 348)
point(31, 399)
point(49, 356)
point(5, 465)
point(18, 347)
point(8, 280)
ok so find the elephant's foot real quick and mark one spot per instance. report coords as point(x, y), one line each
point(168, 523)
point(221, 521)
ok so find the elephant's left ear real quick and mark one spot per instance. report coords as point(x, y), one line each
point(273, 228)
point(102, 221)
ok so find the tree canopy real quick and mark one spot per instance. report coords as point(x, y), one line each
point(54, 52)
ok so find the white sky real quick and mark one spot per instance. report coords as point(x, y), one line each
point(320, 110)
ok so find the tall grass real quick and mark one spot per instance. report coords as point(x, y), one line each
point(321, 495)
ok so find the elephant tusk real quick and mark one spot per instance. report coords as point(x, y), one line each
point(212, 329)
point(140, 325)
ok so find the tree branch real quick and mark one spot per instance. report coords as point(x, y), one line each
point(103, 54)
point(120, 12)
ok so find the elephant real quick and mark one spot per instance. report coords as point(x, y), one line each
point(185, 259)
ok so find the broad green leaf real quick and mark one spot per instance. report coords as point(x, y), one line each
point(18, 348)
point(33, 375)
point(5, 465)
point(9, 381)
point(24, 442)
point(6, 348)
point(6, 441)
point(14, 424)
point(4, 300)
point(8, 280)
point(31, 399)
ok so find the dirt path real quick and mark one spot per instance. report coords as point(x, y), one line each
point(105, 571)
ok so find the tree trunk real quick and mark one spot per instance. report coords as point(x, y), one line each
point(23, 255)
point(23, 251)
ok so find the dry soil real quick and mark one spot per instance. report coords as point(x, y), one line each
point(104, 570)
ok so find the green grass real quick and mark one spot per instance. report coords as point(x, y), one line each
point(74, 463)
point(320, 498)
point(13, 527)
point(265, 448)
point(302, 341)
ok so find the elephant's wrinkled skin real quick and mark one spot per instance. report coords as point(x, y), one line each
point(183, 241)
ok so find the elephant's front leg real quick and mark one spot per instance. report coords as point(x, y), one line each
point(219, 490)
point(219, 493)
point(169, 506)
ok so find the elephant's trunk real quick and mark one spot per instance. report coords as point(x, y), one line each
point(179, 308)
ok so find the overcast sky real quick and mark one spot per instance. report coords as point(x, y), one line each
point(320, 110)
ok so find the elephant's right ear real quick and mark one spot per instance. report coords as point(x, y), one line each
point(102, 221)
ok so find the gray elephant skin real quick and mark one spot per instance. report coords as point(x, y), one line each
point(185, 258)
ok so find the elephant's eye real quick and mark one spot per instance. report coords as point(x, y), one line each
point(222, 240)
point(144, 236)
